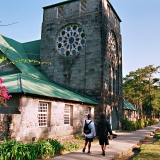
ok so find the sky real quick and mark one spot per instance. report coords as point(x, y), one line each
point(140, 27)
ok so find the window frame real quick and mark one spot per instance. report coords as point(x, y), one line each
point(43, 114)
point(68, 115)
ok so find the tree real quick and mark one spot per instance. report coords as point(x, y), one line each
point(142, 90)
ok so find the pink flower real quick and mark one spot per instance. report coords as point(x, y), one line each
point(1, 80)
point(3, 92)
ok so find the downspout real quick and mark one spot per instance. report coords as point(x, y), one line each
point(19, 82)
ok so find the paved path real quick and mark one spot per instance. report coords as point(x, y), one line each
point(124, 142)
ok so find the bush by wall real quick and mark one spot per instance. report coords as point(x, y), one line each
point(11, 149)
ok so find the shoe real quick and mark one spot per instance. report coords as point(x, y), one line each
point(103, 153)
point(83, 150)
point(88, 152)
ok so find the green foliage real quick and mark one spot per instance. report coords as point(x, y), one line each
point(17, 150)
point(2, 58)
point(31, 150)
point(157, 142)
point(148, 152)
point(6, 150)
point(146, 123)
point(11, 149)
point(128, 125)
point(157, 135)
point(44, 149)
point(20, 151)
point(58, 147)
point(79, 137)
point(147, 107)
point(131, 126)
point(140, 124)
point(142, 90)
point(28, 61)
point(151, 121)
point(70, 146)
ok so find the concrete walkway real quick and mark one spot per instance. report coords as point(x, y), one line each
point(124, 142)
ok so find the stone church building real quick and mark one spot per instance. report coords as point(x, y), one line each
point(82, 41)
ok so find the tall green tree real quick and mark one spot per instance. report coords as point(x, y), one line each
point(142, 89)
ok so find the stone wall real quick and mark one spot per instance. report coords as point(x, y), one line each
point(84, 70)
point(89, 71)
point(25, 126)
point(112, 100)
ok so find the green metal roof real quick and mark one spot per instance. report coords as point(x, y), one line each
point(33, 49)
point(29, 79)
point(128, 105)
point(19, 83)
point(15, 51)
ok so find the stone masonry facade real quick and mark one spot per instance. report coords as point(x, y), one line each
point(25, 125)
point(97, 69)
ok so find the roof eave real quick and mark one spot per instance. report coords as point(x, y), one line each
point(27, 93)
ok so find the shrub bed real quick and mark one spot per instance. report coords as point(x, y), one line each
point(43, 149)
point(132, 126)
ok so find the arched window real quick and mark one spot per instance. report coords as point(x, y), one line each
point(112, 49)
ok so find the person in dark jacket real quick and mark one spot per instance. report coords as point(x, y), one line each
point(103, 128)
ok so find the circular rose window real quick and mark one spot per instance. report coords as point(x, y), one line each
point(70, 40)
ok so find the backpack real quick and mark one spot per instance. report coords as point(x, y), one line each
point(86, 128)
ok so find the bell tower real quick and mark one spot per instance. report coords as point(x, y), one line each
point(82, 40)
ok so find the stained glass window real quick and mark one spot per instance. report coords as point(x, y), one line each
point(71, 40)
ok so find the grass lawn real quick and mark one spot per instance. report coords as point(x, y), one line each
point(150, 151)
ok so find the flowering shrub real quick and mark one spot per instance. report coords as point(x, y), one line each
point(3, 93)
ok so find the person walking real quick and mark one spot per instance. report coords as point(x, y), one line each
point(88, 131)
point(103, 128)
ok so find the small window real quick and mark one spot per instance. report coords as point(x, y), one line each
point(68, 115)
point(60, 12)
point(42, 114)
point(83, 6)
